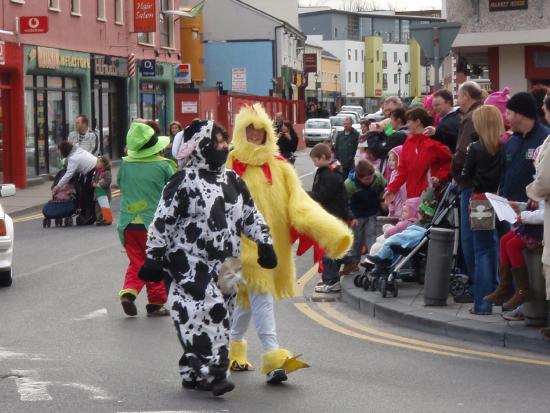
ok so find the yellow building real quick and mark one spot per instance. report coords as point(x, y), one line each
point(192, 50)
point(330, 80)
point(373, 66)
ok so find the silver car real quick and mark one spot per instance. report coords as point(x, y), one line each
point(317, 130)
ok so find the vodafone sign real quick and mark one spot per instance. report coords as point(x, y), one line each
point(33, 24)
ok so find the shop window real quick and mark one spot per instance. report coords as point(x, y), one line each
point(75, 7)
point(101, 10)
point(53, 5)
point(166, 25)
point(119, 15)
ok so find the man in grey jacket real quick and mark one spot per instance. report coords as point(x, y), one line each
point(83, 137)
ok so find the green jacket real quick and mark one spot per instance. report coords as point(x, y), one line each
point(346, 147)
point(141, 182)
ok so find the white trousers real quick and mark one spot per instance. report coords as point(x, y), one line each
point(547, 277)
point(261, 309)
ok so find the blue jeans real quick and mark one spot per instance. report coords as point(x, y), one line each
point(363, 233)
point(330, 271)
point(466, 236)
point(485, 250)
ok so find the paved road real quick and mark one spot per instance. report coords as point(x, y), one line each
point(65, 346)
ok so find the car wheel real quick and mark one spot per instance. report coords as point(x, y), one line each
point(5, 278)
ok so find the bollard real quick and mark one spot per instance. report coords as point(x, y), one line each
point(535, 311)
point(381, 221)
point(438, 266)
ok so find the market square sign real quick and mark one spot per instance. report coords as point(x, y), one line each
point(505, 5)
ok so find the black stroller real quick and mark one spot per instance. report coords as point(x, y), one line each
point(64, 205)
point(410, 265)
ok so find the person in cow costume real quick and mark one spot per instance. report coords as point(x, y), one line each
point(198, 224)
point(290, 214)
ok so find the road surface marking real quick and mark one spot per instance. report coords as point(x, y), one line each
point(308, 174)
point(102, 312)
point(95, 392)
point(29, 387)
point(303, 280)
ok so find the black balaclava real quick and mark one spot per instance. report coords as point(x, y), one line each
point(204, 156)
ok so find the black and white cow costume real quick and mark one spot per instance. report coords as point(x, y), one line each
point(198, 223)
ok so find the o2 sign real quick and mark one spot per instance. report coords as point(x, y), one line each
point(148, 67)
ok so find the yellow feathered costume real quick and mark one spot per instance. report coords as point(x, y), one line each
point(284, 205)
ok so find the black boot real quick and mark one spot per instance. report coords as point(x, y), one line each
point(220, 387)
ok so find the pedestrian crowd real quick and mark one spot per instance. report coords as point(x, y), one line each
point(208, 223)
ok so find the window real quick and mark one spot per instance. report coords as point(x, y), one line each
point(353, 27)
point(363, 77)
point(166, 25)
point(407, 78)
point(406, 57)
point(53, 5)
point(119, 16)
point(356, 78)
point(377, 77)
point(385, 81)
point(362, 55)
point(335, 32)
point(146, 38)
point(356, 55)
point(378, 55)
point(349, 54)
point(394, 57)
point(395, 78)
point(385, 60)
point(101, 10)
point(349, 77)
point(75, 7)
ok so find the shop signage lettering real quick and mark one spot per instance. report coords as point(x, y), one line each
point(33, 24)
point(310, 62)
point(2, 53)
point(110, 66)
point(144, 16)
point(52, 59)
point(505, 5)
point(148, 67)
point(183, 73)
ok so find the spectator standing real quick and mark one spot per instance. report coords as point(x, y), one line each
point(278, 122)
point(173, 128)
point(83, 137)
point(328, 189)
point(449, 120)
point(482, 170)
point(345, 146)
point(287, 141)
point(469, 99)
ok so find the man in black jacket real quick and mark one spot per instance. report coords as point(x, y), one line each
point(328, 189)
point(449, 121)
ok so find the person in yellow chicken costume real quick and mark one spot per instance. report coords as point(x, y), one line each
point(287, 209)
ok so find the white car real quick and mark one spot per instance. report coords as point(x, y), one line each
point(353, 115)
point(376, 116)
point(6, 239)
point(337, 123)
point(317, 130)
point(357, 109)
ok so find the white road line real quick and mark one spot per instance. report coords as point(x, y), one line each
point(29, 387)
point(96, 392)
point(180, 411)
point(308, 174)
point(102, 312)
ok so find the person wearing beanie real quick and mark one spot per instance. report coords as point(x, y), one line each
point(500, 99)
point(528, 135)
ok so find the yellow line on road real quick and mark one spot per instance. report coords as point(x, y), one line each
point(303, 280)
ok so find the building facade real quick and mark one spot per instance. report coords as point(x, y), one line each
point(499, 45)
point(80, 65)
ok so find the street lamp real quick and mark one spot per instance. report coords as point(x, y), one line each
point(316, 87)
point(399, 66)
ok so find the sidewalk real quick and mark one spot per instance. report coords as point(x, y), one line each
point(454, 320)
point(33, 198)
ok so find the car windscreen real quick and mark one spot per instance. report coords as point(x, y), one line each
point(337, 121)
point(317, 124)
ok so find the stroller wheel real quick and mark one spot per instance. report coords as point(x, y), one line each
point(457, 287)
point(374, 284)
point(383, 287)
point(58, 222)
point(69, 222)
point(366, 283)
point(357, 280)
point(44, 222)
point(395, 289)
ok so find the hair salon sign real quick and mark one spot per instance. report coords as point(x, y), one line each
point(505, 5)
point(145, 16)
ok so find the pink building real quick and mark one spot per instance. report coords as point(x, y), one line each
point(81, 65)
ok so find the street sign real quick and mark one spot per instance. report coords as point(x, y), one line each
point(310, 62)
point(183, 73)
point(145, 16)
point(2, 53)
point(505, 5)
point(148, 67)
point(33, 24)
point(436, 40)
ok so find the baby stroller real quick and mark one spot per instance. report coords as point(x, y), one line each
point(410, 263)
point(63, 205)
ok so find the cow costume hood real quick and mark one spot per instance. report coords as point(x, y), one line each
point(198, 140)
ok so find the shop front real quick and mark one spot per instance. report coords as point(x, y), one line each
point(12, 154)
point(152, 95)
point(57, 89)
point(109, 111)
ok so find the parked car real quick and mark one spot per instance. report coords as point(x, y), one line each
point(353, 115)
point(376, 116)
point(6, 239)
point(337, 123)
point(317, 130)
point(357, 109)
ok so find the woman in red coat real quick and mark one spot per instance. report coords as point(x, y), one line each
point(424, 162)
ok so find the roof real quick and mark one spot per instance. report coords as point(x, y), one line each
point(326, 53)
point(282, 22)
point(375, 13)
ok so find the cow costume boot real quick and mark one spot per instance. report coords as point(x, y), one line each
point(198, 224)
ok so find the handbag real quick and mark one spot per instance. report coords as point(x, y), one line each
point(482, 214)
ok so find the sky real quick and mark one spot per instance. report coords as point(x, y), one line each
point(399, 4)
